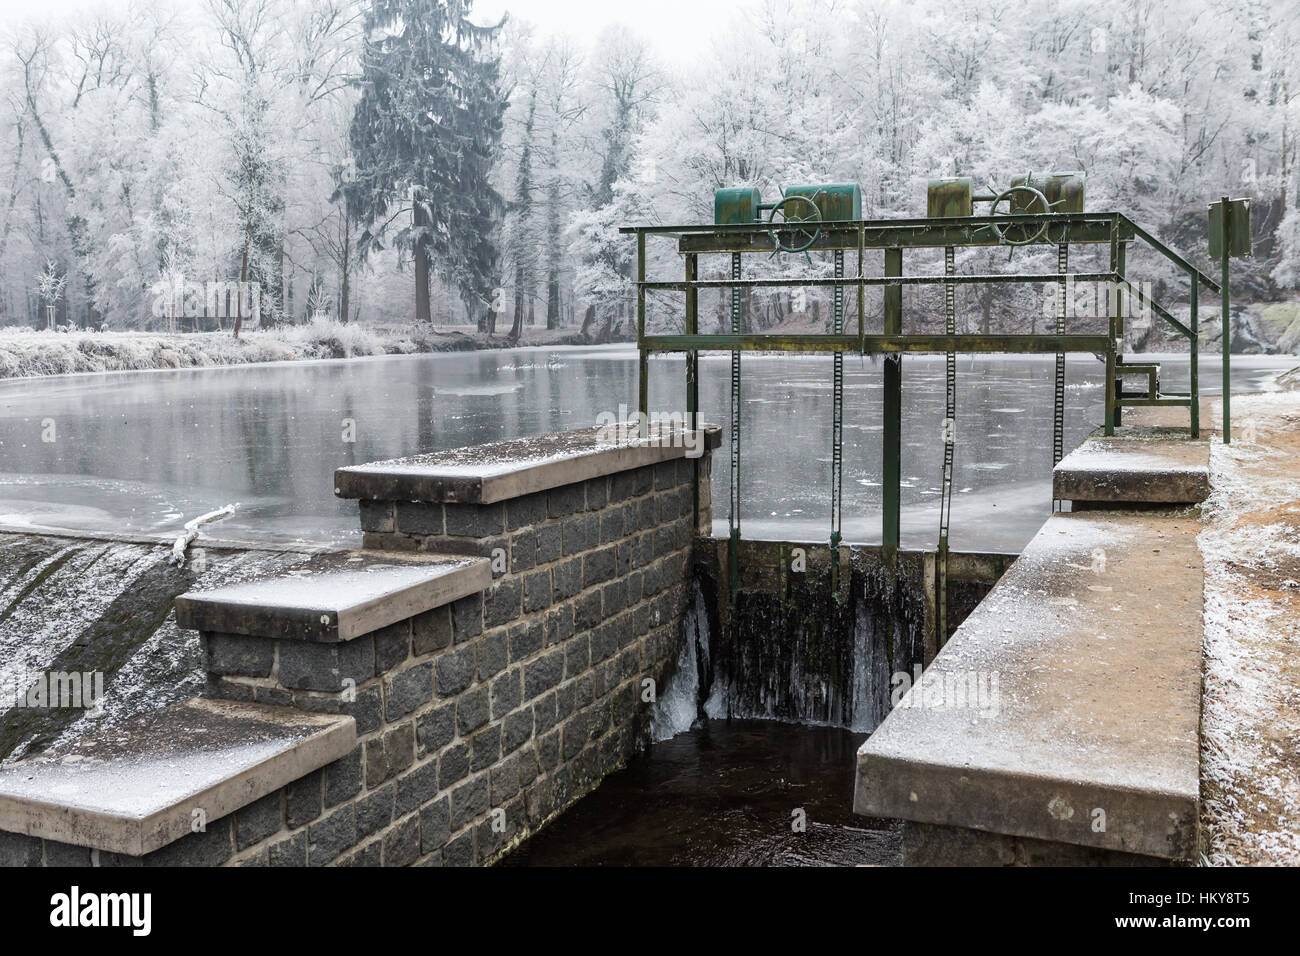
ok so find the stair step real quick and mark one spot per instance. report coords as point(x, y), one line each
point(136, 787)
point(335, 596)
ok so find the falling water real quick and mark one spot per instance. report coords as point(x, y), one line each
point(88, 606)
point(678, 708)
point(797, 653)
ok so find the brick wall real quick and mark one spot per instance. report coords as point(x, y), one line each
point(477, 721)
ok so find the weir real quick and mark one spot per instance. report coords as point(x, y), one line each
point(526, 615)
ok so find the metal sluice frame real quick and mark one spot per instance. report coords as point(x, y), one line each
point(893, 236)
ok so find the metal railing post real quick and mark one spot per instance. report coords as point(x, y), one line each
point(693, 373)
point(643, 363)
point(1194, 387)
point(891, 457)
point(1110, 335)
point(1226, 326)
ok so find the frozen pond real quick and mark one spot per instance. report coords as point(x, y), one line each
point(142, 452)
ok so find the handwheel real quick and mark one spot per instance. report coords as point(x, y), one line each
point(1020, 234)
point(791, 213)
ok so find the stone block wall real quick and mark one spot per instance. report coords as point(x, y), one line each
point(476, 721)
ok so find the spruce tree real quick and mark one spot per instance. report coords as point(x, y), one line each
point(424, 137)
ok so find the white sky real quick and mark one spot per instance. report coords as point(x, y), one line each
point(675, 29)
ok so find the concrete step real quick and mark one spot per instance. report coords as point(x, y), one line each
point(1066, 708)
point(337, 596)
point(136, 786)
point(1139, 465)
point(485, 474)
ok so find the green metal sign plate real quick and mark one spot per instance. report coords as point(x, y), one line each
point(1238, 229)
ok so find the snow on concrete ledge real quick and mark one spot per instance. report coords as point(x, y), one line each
point(1067, 706)
point(1146, 466)
point(135, 787)
point(499, 471)
point(336, 596)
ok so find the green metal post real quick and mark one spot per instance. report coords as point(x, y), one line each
point(1121, 267)
point(1110, 335)
point(862, 242)
point(643, 363)
point(1195, 387)
point(891, 458)
point(1226, 326)
point(693, 370)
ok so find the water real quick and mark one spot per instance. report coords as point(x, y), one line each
point(728, 793)
point(145, 451)
point(80, 605)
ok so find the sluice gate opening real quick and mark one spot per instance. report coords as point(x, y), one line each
point(1033, 210)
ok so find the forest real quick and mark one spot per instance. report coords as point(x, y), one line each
point(218, 164)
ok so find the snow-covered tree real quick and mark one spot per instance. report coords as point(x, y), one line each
point(424, 137)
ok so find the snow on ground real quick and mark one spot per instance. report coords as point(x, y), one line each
point(25, 352)
point(1251, 719)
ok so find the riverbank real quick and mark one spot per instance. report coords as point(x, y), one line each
point(1251, 717)
point(25, 353)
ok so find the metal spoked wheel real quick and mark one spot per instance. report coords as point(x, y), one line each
point(796, 213)
point(1020, 234)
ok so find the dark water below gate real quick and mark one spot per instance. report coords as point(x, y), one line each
point(724, 794)
point(145, 451)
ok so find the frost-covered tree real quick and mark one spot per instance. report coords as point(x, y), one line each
point(424, 136)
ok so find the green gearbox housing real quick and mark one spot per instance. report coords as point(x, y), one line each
point(836, 202)
point(1064, 192)
point(946, 198)
point(735, 206)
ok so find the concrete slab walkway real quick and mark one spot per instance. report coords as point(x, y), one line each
point(1066, 708)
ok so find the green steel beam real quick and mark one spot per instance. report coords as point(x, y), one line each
point(1169, 254)
point(1004, 278)
point(916, 222)
point(867, 344)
